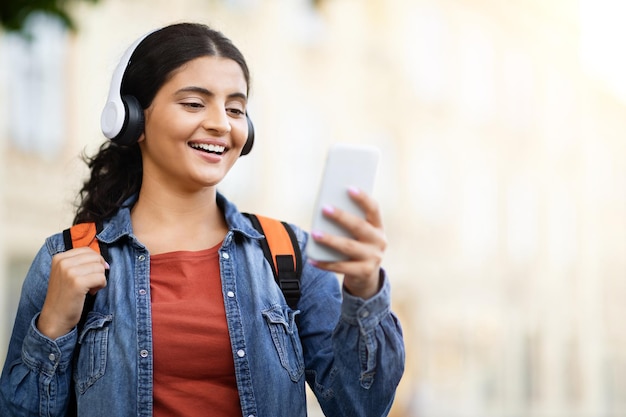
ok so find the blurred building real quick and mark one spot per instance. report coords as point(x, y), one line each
point(503, 180)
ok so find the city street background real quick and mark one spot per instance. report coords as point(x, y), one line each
point(502, 129)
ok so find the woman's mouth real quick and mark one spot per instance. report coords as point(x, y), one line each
point(209, 148)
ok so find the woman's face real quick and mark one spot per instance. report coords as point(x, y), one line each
point(196, 126)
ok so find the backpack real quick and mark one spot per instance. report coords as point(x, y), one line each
point(280, 248)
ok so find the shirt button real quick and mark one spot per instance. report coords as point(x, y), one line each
point(225, 255)
point(365, 314)
point(230, 294)
point(241, 353)
point(52, 357)
point(142, 292)
point(141, 258)
point(144, 353)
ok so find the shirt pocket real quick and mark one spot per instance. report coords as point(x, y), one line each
point(284, 331)
point(91, 359)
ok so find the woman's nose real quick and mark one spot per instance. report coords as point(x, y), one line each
point(216, 120)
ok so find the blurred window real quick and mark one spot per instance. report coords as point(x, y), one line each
point(36, 83)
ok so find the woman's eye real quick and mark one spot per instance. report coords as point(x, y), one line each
point(235, 111)
point(192, 105)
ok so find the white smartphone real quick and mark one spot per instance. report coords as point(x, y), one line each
point(347, 165)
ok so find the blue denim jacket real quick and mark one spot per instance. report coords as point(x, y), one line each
point(349, 350)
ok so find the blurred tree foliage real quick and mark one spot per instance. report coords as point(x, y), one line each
point(13, 13)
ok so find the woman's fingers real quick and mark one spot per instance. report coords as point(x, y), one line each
point(364, 231)
point(364, 249)
point(73, 274)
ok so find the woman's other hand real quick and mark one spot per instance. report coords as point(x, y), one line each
point(73, 274)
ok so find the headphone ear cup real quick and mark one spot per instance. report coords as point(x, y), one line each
point(250, 141)
point(133, 122)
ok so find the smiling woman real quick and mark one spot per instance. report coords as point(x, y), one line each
point(185, 317)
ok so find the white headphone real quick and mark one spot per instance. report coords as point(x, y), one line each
point(122, 117)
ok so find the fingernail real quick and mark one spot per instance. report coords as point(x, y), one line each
point(328, 209)
point(316, 234)
point(353, 190)
point(106, 265)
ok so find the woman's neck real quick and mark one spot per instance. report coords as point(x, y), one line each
point(166, 221)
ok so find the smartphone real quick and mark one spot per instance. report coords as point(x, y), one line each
point(347, 165)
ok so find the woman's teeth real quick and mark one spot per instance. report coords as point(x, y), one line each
point(208, 147)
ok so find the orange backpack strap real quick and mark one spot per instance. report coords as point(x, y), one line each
point(282, 251)
point(82, 235)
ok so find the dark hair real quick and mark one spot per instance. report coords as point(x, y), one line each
point(116, 170)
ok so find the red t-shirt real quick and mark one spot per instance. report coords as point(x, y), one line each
point(194, 372)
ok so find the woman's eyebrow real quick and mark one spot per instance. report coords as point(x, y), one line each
point(205, 92)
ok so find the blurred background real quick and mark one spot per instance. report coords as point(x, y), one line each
point(502, 128)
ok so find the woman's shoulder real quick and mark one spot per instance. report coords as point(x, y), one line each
point(54, 243)
point(238, 219)
point(301, 235)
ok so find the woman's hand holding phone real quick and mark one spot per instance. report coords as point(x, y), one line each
point(347, 232)
point(364, 249)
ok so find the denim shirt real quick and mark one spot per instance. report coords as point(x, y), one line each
point(349, 350)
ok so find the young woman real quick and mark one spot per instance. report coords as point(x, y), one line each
point(190, 321)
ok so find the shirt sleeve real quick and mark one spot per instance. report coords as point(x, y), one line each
point(353, 348)
point(36, 376)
